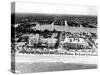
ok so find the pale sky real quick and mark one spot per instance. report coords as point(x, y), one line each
point(28, 7)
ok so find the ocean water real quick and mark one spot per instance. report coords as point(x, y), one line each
point(28, 63)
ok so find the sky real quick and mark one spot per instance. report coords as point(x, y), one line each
point(30, 7)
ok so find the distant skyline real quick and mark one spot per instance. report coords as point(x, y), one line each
point(43, 8)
